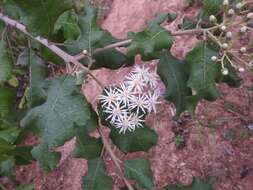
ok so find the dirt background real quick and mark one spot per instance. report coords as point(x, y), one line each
point(209, 150)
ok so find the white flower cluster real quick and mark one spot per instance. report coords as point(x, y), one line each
point(127, 105)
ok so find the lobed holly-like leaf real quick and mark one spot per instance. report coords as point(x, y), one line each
point(5, 63)
point(149, 42)
point(64, 107)
point(142, 139)
point(197, 184)
point(139, 170)
point(40, 16)
point(87, 147)
point(96, 178)
point(202, 71)
point(172, 73)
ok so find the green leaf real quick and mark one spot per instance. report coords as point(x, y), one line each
point(38, 73)
point(7, 100)
point(5, 148)
point(67, 22)
point(64, 107)
point(23, 58)
point(40, 16)
point(9, 134)
point(197, 184)
point(23, 155)
point(5, 63)
point(111, 59)
point(149, 42)
point(93, 37)
point(210, 7)
point(7, 167)
point(139, 170)
point(97, 179)
point(50, 56)
point(202, 71)
point(172, 73)
point(87, 147)
point(188, 24)
point(25, 187)
point(142, 139)
point(47, 159)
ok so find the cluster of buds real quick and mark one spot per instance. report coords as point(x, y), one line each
point(228, 34)
point(127, 104)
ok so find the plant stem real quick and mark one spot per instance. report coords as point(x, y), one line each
point(65, 56)
point(114, 158)
point(2, 187)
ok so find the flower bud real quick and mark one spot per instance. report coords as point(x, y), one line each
point(229, 35)
point(85, 52)
point(212, 18)
point(214, 58)
point(224, 45)
point(243, 29)
point(224, 71)
point(231, 12)
point(243, 49)
point(241, 69)
point(225, 3)
point(238, 6)
point(223, 27)
point(250, 16)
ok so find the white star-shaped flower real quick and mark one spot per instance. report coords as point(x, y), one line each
point(139, 102)
point(152, 100)
point(125, 123)
point(124, 94)
point(137, 120)
point(135, 82)
point(115, 112)
point(142, 72)
point(110, 96)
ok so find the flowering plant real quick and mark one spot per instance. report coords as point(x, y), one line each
point(40, 40)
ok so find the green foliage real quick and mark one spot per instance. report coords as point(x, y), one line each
point(87, 147)
point(5, 63)
point(210, 7)
point(197, 184)
point(47, 159)
point(172, 73)
point(142, 139)
point(149, 42)
point(25, 187)
point(7, 99)
point(38, 73)
point(96, 178)
point(58, 118)
point(139, 170)
point(64, 107)
point(40, 16)
point(93, 37)
point(67, 23)
point(202, 71)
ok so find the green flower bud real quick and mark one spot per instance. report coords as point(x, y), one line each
point(224, 71)
point(224, 45)
point(212, 18)
point(238, 6)
point(214, 58)
point(243, 49)
point(231, 12)
point(229, 35)
point(241, 69)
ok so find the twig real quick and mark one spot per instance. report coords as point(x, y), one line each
point(114, 158)
point(3, 187)
point(65, 56)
